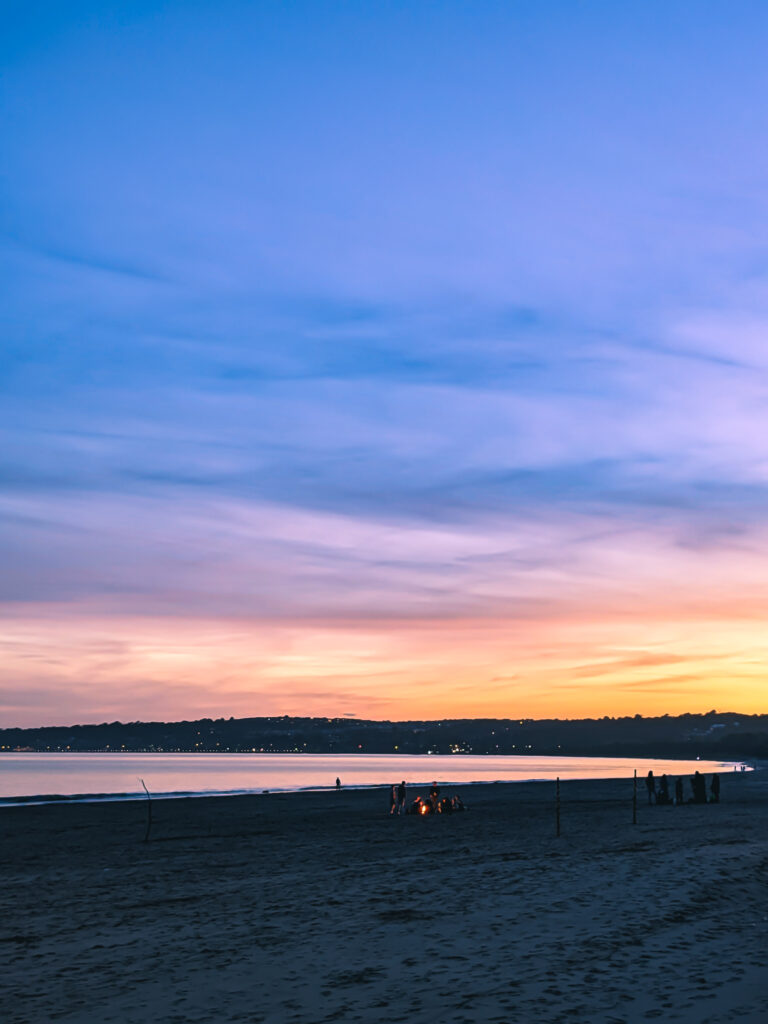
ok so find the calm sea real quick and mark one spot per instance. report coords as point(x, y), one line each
point(38, 777)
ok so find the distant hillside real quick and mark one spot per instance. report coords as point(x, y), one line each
point(715, 735)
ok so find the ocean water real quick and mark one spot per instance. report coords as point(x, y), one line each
point(31, 777)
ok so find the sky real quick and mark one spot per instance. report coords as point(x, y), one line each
point(396, 360)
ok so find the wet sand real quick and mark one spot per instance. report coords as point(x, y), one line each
point(317, 907)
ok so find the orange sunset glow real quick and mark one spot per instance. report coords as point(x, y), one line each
point(680, 655)
point(276, 611)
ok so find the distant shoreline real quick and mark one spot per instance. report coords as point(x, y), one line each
point(712, 736)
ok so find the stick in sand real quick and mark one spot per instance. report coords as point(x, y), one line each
point(634, 799)
point(149, 811)
point(557, 804)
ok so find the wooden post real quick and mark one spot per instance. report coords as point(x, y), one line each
point(149, 811)
point(557, 805)
point(634, 799)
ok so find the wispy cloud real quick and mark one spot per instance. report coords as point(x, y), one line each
point(378, 343)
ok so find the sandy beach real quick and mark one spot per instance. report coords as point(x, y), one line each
point(317, 907)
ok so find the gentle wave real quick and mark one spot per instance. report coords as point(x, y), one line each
point(83, 798)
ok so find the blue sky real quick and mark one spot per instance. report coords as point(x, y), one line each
point(353, 311)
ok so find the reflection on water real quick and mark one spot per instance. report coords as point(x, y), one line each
point(117, 775)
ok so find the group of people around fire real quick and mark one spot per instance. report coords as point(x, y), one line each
point(432, 804)
point(698, 782)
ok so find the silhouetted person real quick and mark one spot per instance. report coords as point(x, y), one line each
point(401, 797)
point(679, 795)
point(715, 789)
point(434, 795)
point(393, 799)
point(663, 794)
point(699, 787)
point(338, 784)
point(650, 785)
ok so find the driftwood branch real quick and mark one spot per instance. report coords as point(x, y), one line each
point(149, 811)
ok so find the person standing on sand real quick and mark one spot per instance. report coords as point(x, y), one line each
point(699, 788)
point(679, 795)
point(393, 799)
point(401, 798)
point(663, 794)
point(715, 789)
point(434, 796)
point(338, 784)
point(650, 784)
